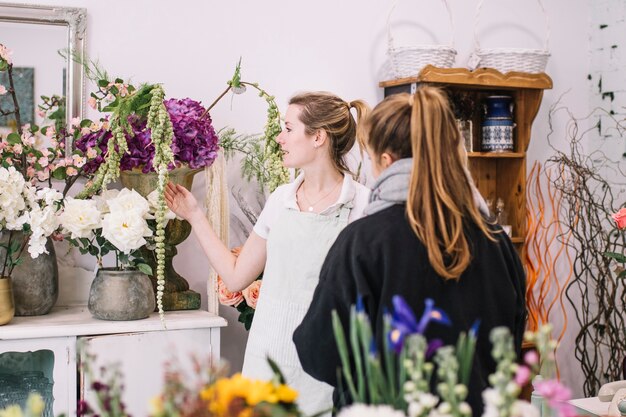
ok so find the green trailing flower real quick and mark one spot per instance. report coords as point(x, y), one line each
point(502, 380)
point(263, 163)
point(162, 133)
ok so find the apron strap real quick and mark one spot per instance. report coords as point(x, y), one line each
point(344, 212)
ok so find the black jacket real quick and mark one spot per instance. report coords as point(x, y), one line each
point(378, 257)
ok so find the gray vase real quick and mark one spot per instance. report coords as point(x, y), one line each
point(121, 295)
point(35, 281)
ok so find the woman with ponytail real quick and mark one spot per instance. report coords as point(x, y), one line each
point(291, 238)
point(425, 235)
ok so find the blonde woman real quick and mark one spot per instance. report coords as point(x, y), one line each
point(423, 237)
point(291, 238)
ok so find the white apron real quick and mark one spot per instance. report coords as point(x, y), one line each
point(296, 248)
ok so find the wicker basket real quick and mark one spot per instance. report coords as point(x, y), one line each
point(510, 59)
point(408, 61)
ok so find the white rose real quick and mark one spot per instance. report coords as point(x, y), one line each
point(102, 199)
point(125, 230)
point(80, 218)
point(129, 200)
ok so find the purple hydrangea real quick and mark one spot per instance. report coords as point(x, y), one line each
point(195, 142)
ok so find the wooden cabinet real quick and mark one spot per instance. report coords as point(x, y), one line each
point(49, 346)
point(497, 174)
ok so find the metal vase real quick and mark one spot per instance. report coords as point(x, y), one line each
point(177, 295)
point(121, 295)
point(7, 307)
point(35, 281)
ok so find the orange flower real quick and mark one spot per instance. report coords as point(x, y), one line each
point(251, 293)
point(620, 218)
point(226, 297)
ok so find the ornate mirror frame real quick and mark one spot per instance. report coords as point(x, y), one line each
point(76, 21)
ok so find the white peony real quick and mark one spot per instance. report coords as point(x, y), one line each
point(80, 218)
point(363, 410)
point(129, 201)
point(125, 230)
point(49, 196)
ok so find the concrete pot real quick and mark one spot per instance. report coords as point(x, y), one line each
point(121, 295)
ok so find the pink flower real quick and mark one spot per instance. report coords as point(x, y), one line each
point(3, 90)
point(251, 293)
point(91, 101)
point(41, 113)
point(5, 53)
point(226, 297)
point(43, 175)
point(620, 218)
point(522, 375)
point(17, 149)
point(531, 357)
point(557, 396)
point(71, 171)
point(43, 161)
point(30, 172)
point(91, 153)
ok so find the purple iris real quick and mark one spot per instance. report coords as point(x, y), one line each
point(404, 323)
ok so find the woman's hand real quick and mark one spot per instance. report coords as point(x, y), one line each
point(181, 201)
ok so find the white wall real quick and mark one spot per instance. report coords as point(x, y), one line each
point(289, 46)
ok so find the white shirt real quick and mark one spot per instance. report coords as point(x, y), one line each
point(285, 197)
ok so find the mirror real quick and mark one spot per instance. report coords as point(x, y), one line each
point(35, 34)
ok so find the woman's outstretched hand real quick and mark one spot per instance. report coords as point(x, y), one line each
point(181, 201)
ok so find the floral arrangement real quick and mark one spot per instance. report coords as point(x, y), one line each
point(244, 301)
point(115, 221)
point(404, 383)
point(204, 393)
point(262, 154)
point(23, 208)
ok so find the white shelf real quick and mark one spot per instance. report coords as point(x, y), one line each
point(77, 321)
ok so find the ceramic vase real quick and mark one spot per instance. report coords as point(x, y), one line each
point(497, 128)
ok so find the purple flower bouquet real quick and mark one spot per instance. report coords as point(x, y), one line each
point(195, 142)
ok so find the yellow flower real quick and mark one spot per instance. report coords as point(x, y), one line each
point(260, 391)
point(286, 394)
point(156, 405)
point(12, 411)
point(35, 405)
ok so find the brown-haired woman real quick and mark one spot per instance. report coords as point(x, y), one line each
point(423, 237)
point(291, 238)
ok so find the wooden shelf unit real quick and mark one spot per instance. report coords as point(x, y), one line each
point(497, 174)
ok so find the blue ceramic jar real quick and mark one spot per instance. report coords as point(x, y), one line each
point(497, 128)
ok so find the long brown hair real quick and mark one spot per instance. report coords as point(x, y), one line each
point(440, 200)
point(327, 112)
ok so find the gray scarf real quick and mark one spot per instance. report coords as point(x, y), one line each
point(392, 187)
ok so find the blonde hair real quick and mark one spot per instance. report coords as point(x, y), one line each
point(327, 112)
point(440, 200)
